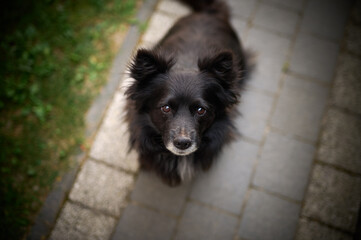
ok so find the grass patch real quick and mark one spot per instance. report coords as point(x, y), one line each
point(55, 57)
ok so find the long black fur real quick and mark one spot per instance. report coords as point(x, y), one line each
point(204, 47)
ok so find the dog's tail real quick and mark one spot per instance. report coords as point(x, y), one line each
point(218, 8)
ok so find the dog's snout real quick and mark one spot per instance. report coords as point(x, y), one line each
point(182, 143)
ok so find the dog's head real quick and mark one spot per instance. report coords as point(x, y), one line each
point(183, 104)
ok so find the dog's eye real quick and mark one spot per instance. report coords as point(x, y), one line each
point(166, 108)
point(201, 111)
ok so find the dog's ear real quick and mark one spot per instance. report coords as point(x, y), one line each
point(221, 65)
point(148, 63)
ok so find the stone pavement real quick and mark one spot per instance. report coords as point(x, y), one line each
point(257, 188)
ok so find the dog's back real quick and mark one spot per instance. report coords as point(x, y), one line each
point(202, 34)
point(217, 8)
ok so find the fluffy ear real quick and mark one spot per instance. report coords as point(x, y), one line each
point(220, 65)
point(148, 63)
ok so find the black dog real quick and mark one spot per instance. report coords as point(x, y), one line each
point(182, 101)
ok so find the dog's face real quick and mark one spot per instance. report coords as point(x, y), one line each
point(182, 114)
point(182, 105)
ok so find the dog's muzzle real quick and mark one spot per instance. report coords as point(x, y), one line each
point(182, 144)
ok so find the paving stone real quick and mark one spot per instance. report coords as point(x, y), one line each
point(226, 183)
point(314, 58)
point(267, 217)
point(255, 104)
point(353, 39)
point(276, 19)
point(240, 28)
point(266, 76)
point(326, 18)
point(48, 213)
point(252, 128)
point(347, 86)
point(333, 197)
point(158, 26)
point(270, 51)
point(300, 108)
point(292, 4)
point(174, 8)
point(308, 229)
point(242, 8)
point(340, 141)
point(101, 187)
point(255, 108)
point(268, 46)
point(110, 144)
point(76, 222)
point(146, 45)
point(150, 190)
point(200, 222)
point(284, 166)
point(138, 223)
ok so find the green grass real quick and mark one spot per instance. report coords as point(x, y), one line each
point(54, 58)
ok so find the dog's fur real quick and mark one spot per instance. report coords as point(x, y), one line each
point(181, 104)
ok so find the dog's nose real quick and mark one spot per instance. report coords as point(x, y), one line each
point(182, 143)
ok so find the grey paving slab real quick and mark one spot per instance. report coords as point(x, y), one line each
point(340, 141)
point(308, 229)
point(300, 108)
point(252, 128)
point(48, 214)
point(347, 86)
point(242, 8)
point(200, 222)
point(255, 108)
point(295, 5)
point(240, 27)
point(110, 144)
point(353, 40)
point(326, 18)
point(101, 187)
point(174, 8)
point(158, 26)
point(269, 46)
point(267, 217)
point(266, 76)
point(146, 45)
point(256, 104)
point(284, 166)
point(226, 183)
point(315, 58)
point(150, 190)
point(138, 223)
point(276, 19)
point(270, 50)
point(333, 197)
point(80, 223)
